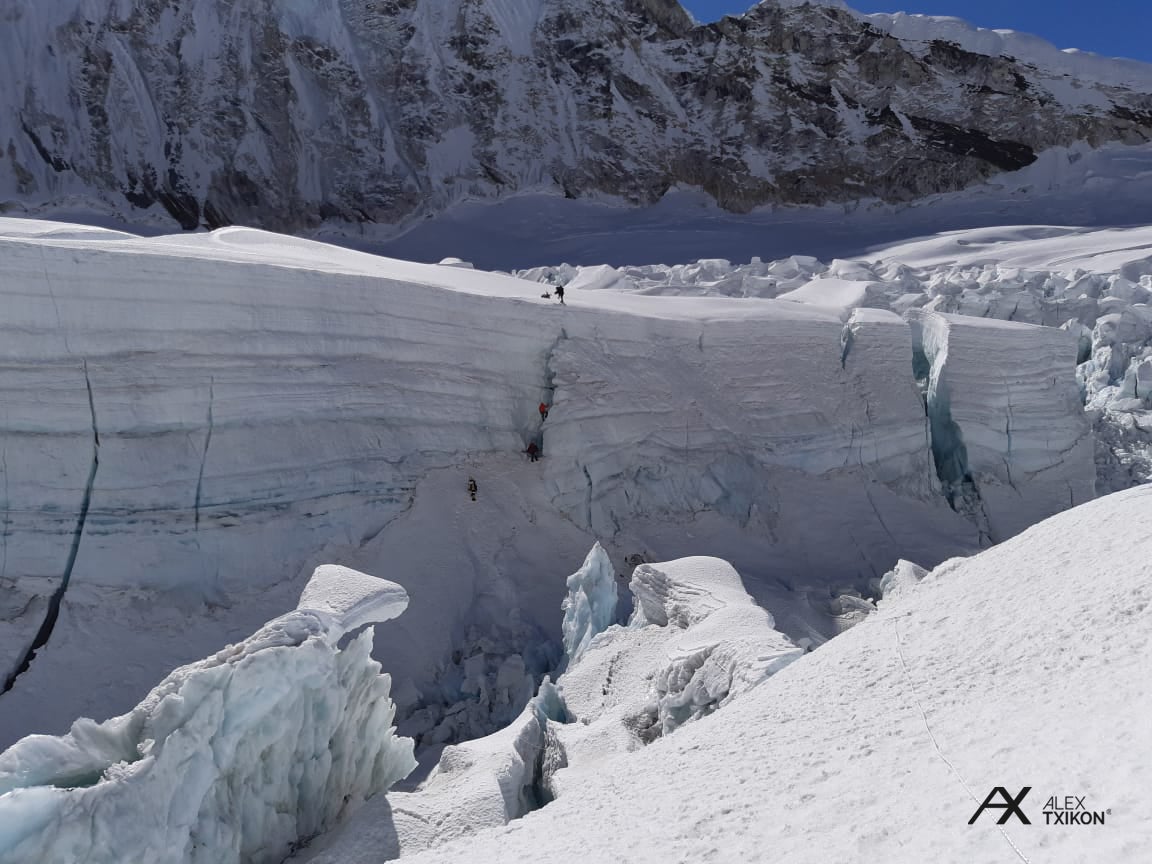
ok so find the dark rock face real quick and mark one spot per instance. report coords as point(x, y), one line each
point(286, 114)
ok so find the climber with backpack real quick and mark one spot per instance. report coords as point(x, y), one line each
point(533, 451)
point(472, 487)
point(543, 412)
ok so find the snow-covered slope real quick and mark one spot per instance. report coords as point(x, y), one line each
point(1022, 667)
point(270, 114)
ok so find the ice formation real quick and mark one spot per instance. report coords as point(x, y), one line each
point(254, 391)
point(1008, 441)
point(476, 785)
point(236, 758)
point(900, 579)
point(668, 435)
point(590, 604)
point(720, 644)
point(695, 642)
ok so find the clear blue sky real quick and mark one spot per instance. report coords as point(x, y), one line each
point(1117, 28)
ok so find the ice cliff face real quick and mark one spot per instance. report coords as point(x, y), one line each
point(191, 422)
point(286, 115)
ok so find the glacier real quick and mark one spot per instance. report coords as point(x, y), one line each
point(242, 390)
point(1007, 445)
point(236, 758)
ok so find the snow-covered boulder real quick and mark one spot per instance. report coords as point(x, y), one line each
point(231, 760)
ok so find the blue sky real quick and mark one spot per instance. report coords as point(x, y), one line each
point(1117, 28)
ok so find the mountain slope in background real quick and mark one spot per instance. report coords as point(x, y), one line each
point(287, 115)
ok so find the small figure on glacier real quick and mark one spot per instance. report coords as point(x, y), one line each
point(543, 412)
point(533, 451)
point(560, 293)
point(472, 487)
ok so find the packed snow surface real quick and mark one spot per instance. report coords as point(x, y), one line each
point(236, 758)
point(1023, 666)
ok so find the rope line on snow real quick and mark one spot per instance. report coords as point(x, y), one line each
point(936, 744)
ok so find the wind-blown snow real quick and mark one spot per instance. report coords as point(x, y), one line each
point(236, 758)
point(1007, 669)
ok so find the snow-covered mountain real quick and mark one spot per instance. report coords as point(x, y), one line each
point(287, 115)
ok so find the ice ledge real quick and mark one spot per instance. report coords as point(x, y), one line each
point(347, 599)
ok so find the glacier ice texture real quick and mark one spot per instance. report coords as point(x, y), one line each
point(695, 641)
point(231, 760)
point(590, 604)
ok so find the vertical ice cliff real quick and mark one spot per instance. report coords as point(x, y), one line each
point(258, 392)
point(231, 760)
point(1010, 445)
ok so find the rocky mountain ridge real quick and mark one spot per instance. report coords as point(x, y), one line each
point(287, 115)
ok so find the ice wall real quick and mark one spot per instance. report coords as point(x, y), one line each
point(236, 758)
point(258, 404)
point(1011, 446)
